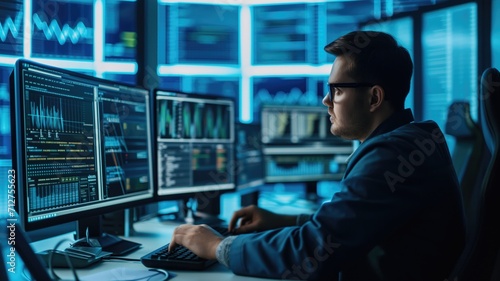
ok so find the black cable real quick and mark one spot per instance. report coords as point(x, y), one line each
point(119, 258)
point(68, 261)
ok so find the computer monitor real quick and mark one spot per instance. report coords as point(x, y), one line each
point(249, 165)
point(298, 145)
point(82, 146)
point(195, 148)
point(450, 61)
point(495, 34)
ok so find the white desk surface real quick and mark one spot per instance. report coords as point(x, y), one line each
point(151, 234)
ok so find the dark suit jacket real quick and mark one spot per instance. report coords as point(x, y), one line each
point(398, 216)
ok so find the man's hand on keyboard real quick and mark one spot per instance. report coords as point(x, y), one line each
point(200, 239)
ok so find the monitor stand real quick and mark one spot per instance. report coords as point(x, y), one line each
point(250, 198)
point(189, 212)
point(91, 227)
point(311, 190)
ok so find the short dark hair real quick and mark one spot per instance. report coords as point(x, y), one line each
point(376, 57)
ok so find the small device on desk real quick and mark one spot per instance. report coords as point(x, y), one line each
point(108, 243)
point(87, 251)
point(82, 253)
point(79, 257)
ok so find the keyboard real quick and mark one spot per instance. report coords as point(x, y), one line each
point(180, 258)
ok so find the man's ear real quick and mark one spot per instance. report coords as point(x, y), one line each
point(377, 97)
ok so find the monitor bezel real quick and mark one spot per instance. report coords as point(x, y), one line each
point(18, 138)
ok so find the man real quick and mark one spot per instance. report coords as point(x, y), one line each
point(399, 214)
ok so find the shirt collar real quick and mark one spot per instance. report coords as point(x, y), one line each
point(396, 120)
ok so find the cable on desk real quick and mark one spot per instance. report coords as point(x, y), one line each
point(52, 272)
point(120, 258)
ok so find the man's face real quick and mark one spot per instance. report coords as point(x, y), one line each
point(349, 110)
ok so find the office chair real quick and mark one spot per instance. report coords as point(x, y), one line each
point(496, 268)
point(482, 246)
point(467, 155)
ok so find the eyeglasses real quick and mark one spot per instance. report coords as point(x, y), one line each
point(332, 87)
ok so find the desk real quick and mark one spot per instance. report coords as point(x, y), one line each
point(151, 234)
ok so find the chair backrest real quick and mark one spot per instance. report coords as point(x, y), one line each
point(467, 154)
point(496, 269)
point(478, 259)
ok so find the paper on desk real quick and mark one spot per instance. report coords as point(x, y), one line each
point(128, 274)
